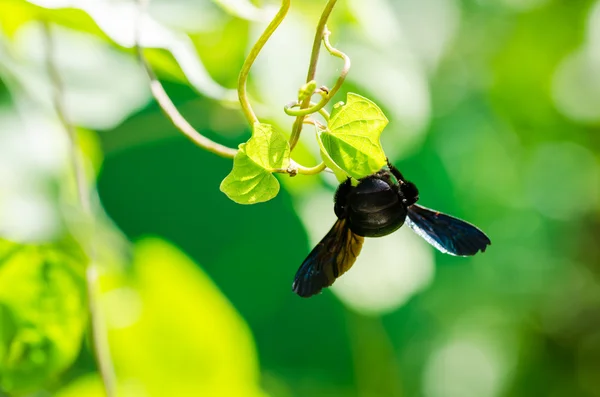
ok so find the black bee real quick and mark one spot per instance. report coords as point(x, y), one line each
point(376, 207)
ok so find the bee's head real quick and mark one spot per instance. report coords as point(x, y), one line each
point(410, 193)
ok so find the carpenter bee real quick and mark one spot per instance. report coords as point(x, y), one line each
point(377, 206)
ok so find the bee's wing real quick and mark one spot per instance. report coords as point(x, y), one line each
point(448, 234)
point(332, 257)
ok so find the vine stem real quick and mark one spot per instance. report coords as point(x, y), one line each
point(311, 170)
point(336, 53)
point(168, 107)
point(289, 109)
point(165, 103)
point(326, 95)
point(312, 69)
point(256, 49)
point(99, 333)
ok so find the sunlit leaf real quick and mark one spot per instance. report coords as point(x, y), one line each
point(249, 183)
point(85, 386)
point(14, 15)
point(340, 174)
point(243, 9)
point(251, 180)
point(352, 137)
point(173, 333)
point(153, 34)
point(18, 13)
point(43, 316)
point(268, 147)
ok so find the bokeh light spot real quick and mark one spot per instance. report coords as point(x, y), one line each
point(562, 180)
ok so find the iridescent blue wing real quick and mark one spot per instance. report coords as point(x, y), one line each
point(332, 257)
point(448, 234)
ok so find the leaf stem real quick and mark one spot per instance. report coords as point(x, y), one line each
point(168, 107)
point(258, 46)
point(311, 170)
point(296, 168)
point(312, 68)
point(99, 334)
point(315, 123)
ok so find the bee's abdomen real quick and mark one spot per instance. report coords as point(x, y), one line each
point(375, 209)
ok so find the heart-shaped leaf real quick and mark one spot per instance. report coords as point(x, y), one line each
point(352, 138)
point(251, 180)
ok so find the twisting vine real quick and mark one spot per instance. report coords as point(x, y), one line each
point(165, 103)
point(325, 93)
point(348, 140)
point(306, 106)
point(312, 69)
point(258, 46)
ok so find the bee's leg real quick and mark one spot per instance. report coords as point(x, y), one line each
point(409, 192)
point(396, 172)
point(341, 198)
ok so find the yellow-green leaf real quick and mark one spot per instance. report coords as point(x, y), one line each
point(43, 316)
point(173, 333)
point(85, 386)
point(243, 9)
point(251, 180)
point(352, 138)
point(340, 174)
point(268, 147)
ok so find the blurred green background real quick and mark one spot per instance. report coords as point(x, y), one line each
point(494, 109)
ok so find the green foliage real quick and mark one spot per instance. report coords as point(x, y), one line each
point(43, 314)
point(84, 386)
point(339, 173)
point(350, 146)
point(251, 181)
point(174, 332)
point(489, 110)
point(351, 140)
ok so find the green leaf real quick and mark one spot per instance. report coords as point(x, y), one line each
point(89, 385)
point(352, 138)
point(243, 9)
point(251, 180)
point(340, 174)
point(43, 316)
point(173, 333)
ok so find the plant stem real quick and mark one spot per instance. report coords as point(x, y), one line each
point(288, 109)
point(258, 46)
point(168, 107)
point(99, 335)
point(325, 95)
point(337, 53)
point(312, 69)
point(311, 170)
